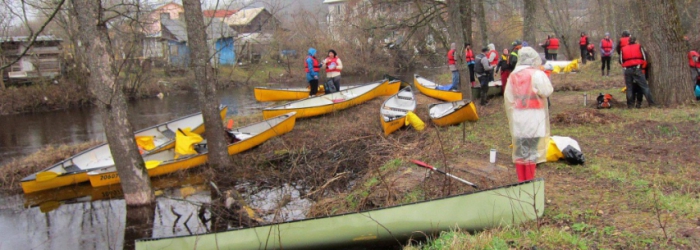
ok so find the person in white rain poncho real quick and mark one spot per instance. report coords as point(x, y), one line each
point(528, 116)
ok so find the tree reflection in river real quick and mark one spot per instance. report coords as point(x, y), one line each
point(139, 224)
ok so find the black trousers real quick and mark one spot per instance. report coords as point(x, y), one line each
point(313, 87)
point(553, 56)
point(635, 78)
point(584, 51)
point(471, 72)
point(606, 62)
point(484, 82)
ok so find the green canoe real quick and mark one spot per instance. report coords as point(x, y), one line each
point(495, 207)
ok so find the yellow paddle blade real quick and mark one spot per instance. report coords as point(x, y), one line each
point(187, 191)
point(152, 164)
point(49, 206)
point(158, 193)
point(45, 176)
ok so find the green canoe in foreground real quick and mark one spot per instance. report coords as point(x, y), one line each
point(495, 207)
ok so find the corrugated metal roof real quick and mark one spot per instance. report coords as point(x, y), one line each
point(216, 29)
point(244, 16)
point(26, 38)
point(333, 1)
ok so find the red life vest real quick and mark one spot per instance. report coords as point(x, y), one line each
point(553, 43)
point(451, 57)
point(332, 60)
point(583, 42)
point(521, 86)
point(590, 47)
point(632, 55)
point(495, 58)
point(692, 63)
point(469, 55)
point(317, 66)
point(624, 41)
point(606, 45)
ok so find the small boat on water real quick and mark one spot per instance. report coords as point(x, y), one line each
point(74, 170)
point(265, 94)
point(451, 113)
point(393, 112)
point(169, 161)
point(324, 104)
point(428, 88)
point(497, 207)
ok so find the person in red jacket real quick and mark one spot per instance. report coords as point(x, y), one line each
point(551, 47)
point(606, 50)
point(583, 45)
point(452, 65)
point(632, 58)
point(469, 57)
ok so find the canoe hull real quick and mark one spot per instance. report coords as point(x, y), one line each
point(502, 206)
point(109, 178)
point(272, 95)
point(59, 181)
point(465, 113)
point(385, 89)
point(393, 125)
point(445, 95)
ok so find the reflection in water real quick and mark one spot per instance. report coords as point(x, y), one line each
point(139, 222)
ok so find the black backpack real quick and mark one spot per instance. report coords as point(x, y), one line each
point(478, 67)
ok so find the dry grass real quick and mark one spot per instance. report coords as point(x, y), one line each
point(11, 173)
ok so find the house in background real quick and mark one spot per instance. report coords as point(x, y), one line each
point(152, 42)
point(220, 14)
point(43, 59)
point(220, 39)
point(255, 27)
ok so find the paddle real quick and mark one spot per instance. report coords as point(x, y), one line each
point(46, 175)
point(425, 165)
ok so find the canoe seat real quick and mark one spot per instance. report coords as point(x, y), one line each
point(72, 169)
point(404, 97)
point(201, 148)
point(167, 132)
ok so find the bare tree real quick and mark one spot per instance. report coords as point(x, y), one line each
point(481, 17)
point(205, 86)
point(110, 100)
point(662, 38)
point(529, 21)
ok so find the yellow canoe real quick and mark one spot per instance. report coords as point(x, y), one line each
point(74, 169)
point(324, 104)
point(427, 87)
point(264, 94)
point(451, 113)
point(250, 136)
point(393, 112)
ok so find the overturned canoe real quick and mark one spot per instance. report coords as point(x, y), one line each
point(166, 161)
point(74, 169)
point(393, 112)
point(427, 87)
point(264, 94)
point(501, 206)
point(451, 113)
point(324, 104)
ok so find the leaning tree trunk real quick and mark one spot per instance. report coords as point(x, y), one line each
point(465, 10)
point(206, 89)
point(662, 38)
point(110, 100)
point(481, 16)
point(529, 21)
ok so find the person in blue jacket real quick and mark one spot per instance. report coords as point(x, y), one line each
point(312, 67)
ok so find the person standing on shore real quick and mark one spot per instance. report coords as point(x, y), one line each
point(333, 67)
point(606, 50)
point(452, 65)
point(583, 46)
point(525, 101)
point(469, 56)
point(312, 68)
point(633, 58)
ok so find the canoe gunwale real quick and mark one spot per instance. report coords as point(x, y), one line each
point(282, 107)
point(454, 110)
point(360, 212)
point(437, 90)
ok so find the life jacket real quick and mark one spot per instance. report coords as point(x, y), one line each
point(317, 66)
point(451, 57)
point(624, 41)
point(590, 47)
point(606, 45)
point(692, 63)
point(495, 58)
point(521, 87)
point(553, 43)
point(582, 41)
point(513, 54)
point(469, 56)
point(604, 101)
point(632, 55)
point(332, 60)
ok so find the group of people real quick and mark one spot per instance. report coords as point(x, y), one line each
point(332, 66)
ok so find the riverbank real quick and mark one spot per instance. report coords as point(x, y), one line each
point(638, 189)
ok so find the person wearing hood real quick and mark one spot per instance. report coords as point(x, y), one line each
point(606, 49)
point(583, 46)
point(333, 66)
point(452, 65)
point(492, 56)
point(525, 101)
point(312, 67)
point(484, 72)
point(512, 62)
